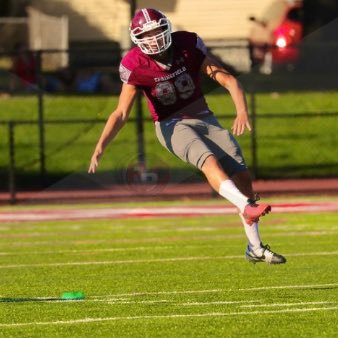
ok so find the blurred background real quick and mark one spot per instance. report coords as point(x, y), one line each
point(59, 81)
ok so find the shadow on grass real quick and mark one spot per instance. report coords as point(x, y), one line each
point(38, 299)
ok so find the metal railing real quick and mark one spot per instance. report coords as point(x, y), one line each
point(142, 159)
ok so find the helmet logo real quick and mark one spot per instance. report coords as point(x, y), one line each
point(148, 26)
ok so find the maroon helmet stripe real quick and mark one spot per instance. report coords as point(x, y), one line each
point(146, 14)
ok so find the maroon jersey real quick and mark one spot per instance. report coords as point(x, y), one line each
point(173, 89)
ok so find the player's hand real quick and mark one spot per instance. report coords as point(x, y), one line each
point(94, 162)
point(241, 122)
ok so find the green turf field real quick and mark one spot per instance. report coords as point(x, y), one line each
point(168, 277)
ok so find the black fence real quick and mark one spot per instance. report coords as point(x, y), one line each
point(256, 146)
point(283, 163)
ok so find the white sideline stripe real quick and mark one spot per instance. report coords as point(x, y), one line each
point(147, 293)
point(71, 214)
point(332, 253)
point(161, 239)
point(221, 302)
point(289, 287)
point(155, 260)
point(246, 303)
point(128, 301)
point(195, 315)
point(138, 302)
point(107, 299)
point(126, 296)
point(172, 230)
point(112, 213)
point(286, 304)
point(143, 248)
point(131, 261)
point(177, 292)
point(122, 249)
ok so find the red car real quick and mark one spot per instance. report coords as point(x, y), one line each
point(274, 39)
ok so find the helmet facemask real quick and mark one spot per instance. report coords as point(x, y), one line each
point(154, 44)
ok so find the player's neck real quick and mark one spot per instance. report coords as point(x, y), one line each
point(164, 58)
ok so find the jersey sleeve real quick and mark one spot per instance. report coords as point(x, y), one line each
point(128, 69)
point(124, 73)
point(200, 51)
point(201, 45)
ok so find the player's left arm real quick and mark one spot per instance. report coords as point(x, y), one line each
point(215, 71)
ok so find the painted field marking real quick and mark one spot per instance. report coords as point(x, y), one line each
point(323, 253)
point(170, 316)
point(126, 249)
point(117, 262)
point(160, 301)
point(160, 239)
point(155, 293)
point(109, 213)
point(286, 304)
point(221, 302)
point(245, 303)
point(179, 292)
point(69, 234)
point(126, 296)
point(144, 248)
point(107, 299)
point(128, 300)
point(289, 287)
point(154, 260)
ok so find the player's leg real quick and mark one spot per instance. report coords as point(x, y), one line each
point(221, 183)
point(256, 251)
point(184, 138)
point(226, 187)
point(234, 166)
point(230, 160)
point(243, 181)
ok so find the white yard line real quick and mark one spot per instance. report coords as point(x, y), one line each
point(285, 304)
point(171, 239)
point(221, 302)
point(179, 292)
point(160, 301)
point(174, 292)
point(304, 286)
point(155, 260)
point(245, 303)
point(323, 253)
point(126, 298)
point(170, 316)
point(142, 248)
point(117, 262)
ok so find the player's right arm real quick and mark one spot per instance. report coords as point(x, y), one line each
point(115, 122)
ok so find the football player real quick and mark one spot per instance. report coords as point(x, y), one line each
point(167, 66)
